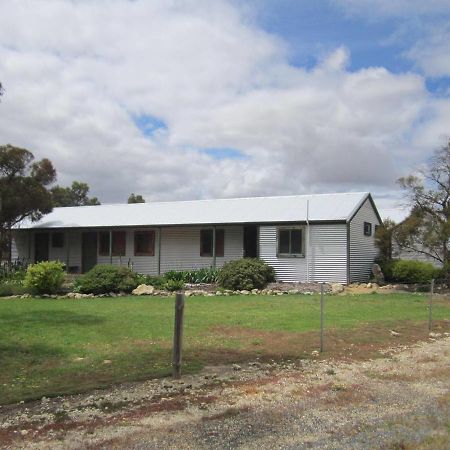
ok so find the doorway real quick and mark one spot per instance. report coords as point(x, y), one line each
point(251, 242)
point(41, 243)
point(88, 251)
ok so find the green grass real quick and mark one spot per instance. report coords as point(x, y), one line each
point(50, 347)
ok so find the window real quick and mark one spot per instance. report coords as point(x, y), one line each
point(144, 243)
point(206, 242)
point(58, 239)
point(118, 243)
point(290, 241)
point(367, 229)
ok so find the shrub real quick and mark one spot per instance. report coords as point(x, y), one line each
point(155, 281)
point(9, 287)
point(45, 277)
point(410, 271)
point(105, 278)
point(196, 276)
point(173, 285)
point(387, 266)
point(247, 273)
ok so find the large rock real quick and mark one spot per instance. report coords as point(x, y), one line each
point(337, 288)
point(378, 275)
point(143, 289)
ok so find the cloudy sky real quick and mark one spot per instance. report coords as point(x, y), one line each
point(188, 99)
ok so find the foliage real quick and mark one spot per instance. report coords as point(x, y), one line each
point(11, 287)
point(14, 271)
point(157, 282)
point(23, 192)
point(105, 278)
point(76, 195)
point(136, 198)
point(197, 276)
point(173, 285)
point(410, 271)
point(387, 266)
point(427, 229)
point(2, 90)
point(45, 277)
point(383, 239)
point(247, 273)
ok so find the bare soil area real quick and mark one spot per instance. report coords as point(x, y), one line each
point(398, 397)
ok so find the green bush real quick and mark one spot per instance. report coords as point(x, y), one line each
point(387, 266)
point(9, 287)
point(196, 276)
point(45, 277)
point(173, 285)
point(157, 282)
point(247, 273)
point(410, 271)
point(105, 278)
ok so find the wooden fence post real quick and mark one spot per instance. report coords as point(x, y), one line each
point(322, 305)
point(430, 307)
point(178, 334)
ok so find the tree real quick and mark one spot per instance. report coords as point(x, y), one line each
point(383, 239)
point(23, 190)
point(427, 229)
point(136, 198)
point(1, 90)
point(76, 195)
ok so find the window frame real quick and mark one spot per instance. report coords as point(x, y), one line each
point(367, 226)
point(63, 239)
point(302, 237)
point(218, 231)
point(115, 252)
point(151, 251)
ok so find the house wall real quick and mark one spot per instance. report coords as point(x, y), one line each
point(363, 250)
point(325, 256)
point(180, 249)
point(20, 248)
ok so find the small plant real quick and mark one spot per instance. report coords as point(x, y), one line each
point(174, 285)
point(45, 277)
point(151, 280)
point(105, 278)
point(11, 287)
point(246, 274)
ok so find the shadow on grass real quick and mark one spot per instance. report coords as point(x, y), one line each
point(45, 318)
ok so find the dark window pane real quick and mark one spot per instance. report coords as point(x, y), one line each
point(367, 229)
point(206, 242)
point(103, 246)
point(119, 243)
point(58, 240)
point(296, 242)
point(144, 243)
point(220, 242)
point(283, 241)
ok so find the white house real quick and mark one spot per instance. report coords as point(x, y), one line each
point(326, 237)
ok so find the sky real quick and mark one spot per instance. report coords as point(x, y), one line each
point(191, 99)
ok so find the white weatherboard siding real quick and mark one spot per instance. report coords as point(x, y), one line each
point(327, 254)
point(20, 248)
point(363, 250)
point(180, 248)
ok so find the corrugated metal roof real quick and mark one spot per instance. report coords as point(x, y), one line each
point(322, 207)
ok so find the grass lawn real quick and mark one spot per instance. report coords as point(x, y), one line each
point(49, 347)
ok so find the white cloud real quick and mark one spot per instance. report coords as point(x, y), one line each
point(77, 72)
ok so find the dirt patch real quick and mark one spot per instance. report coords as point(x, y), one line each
point(398, 400)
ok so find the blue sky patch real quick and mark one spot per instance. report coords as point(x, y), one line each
point(149, 124)
point(224, 153)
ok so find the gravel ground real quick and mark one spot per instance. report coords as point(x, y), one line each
point(398, 401)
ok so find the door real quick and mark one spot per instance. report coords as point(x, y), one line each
point(41, 242)
point(88, 251)
point(251, 242)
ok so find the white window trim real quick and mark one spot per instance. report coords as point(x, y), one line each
point(291, 255)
